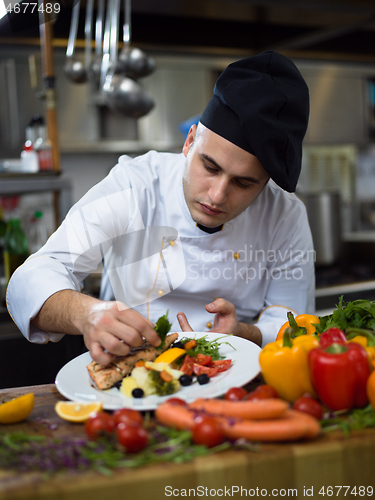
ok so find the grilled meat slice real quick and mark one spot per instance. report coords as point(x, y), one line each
point(106, 377)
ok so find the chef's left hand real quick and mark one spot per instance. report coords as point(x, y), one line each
point(225, 320)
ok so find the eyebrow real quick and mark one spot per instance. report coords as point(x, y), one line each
point(214, 162)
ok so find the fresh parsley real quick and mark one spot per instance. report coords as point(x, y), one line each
point(354, 420)
point(163, 327)
point(26, 453)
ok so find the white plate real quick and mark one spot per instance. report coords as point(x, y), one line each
point(74, 382)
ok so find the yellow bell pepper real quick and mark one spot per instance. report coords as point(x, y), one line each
point(285, 367)
point(303, 324)
point(365, 338)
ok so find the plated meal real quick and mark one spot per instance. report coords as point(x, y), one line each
point(147, 370)
point(75, 382)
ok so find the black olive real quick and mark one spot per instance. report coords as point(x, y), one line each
point(178, 344)
point(185, 380)
point(138, 393)
point(118, 384)
point(203, 378)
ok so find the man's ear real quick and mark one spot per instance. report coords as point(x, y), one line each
point(189, 139)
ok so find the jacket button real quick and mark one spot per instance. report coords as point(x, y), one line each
point(209, 325)
point(236, 255)
point(160, 292)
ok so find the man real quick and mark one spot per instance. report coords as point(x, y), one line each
point(205, 232)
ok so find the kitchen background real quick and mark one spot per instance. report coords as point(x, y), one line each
point(333, 45)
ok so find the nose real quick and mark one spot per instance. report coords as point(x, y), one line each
point(218, 191)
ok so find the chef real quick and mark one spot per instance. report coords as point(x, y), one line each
point(212, 235)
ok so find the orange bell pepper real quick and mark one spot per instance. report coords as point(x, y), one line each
point(303, 324)
point(370, 387)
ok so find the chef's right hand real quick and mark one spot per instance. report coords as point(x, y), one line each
point(111, 329)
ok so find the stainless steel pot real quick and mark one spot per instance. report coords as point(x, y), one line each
point(324, 213)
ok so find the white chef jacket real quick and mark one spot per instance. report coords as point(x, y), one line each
point(137, 223)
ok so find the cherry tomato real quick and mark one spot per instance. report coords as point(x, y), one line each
point(263, 391)
point(207, 431)
point(199, 369)
point(176, 401)
point(307, 404)
point(190, 344)
point(222, 364)
point(127, 415)
point(99, 424)
point(235, 394)
point(187, 365)
point(132, 437)
point(202, 359)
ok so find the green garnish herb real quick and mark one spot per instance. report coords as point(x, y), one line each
point(353, 420)
point(163, 327)
point(357, 314)
point(172, 445)
point(208, 347)
point(27, 453)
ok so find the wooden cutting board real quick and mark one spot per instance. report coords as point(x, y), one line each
point(330, 460)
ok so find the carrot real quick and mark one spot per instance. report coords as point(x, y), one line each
point(254, 409)
point(165, 376)
point(291, 426)
point(141, 362)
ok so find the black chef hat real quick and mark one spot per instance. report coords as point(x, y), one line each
point(261, 104)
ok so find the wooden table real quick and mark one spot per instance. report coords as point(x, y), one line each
point(288, 470)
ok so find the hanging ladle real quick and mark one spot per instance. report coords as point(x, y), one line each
point(121, 94)
point(88, 29)
point(74, 69)
point(133, 62)
point(97, 62)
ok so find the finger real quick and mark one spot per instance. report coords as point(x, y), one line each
point(184, 324)
point(134, 316)
point(100, 355)
point(220, 306)
point(114, 333)
point(110, 344)
point(137, 325)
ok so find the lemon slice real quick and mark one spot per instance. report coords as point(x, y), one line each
point(17, 409)
point(77, 412)
point(170, 355)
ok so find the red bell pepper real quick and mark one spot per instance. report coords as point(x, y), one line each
point(339, 375)
point(332, 335)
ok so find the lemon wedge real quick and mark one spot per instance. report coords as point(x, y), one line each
point(17, 409)
point(170, 355)
point(77, 412)
point(159, 367)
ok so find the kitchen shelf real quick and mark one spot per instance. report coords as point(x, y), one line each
point(18, 184)
point(361, 286)
point(364, 236)
point(327, 298)
point(118, 146)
